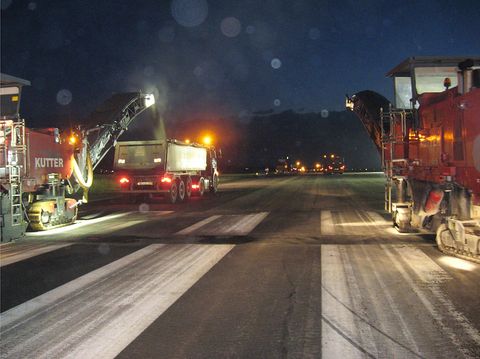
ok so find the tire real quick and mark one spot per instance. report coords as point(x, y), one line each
point(181, 190)
point(214, 185)
point(201, 187)
point(188, 188)
point(173, 193)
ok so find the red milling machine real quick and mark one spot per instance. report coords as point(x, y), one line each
point(40, 169)
point(429, 142)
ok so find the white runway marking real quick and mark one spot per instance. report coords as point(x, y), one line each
point(198, 225)
point(326, 223)
point(100, 313)
point(21, 252)
point(245, 225)
point(225, 225)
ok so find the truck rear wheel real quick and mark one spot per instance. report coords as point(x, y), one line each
point(188, 188)
point(181, 190)
point(201, 187)
point(173, 192)
point(214, 185)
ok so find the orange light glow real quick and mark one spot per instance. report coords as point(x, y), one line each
point(166, 180)
point(124, 180)
point(207, 140)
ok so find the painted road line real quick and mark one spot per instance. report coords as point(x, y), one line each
point(245, 225)
point(20, 252)
point(326, 223)
point(98, 318)
point(226, 225)
point(197, 225)
point(39, 303)
point(339, 331)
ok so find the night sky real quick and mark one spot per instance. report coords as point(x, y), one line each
point(221, 58)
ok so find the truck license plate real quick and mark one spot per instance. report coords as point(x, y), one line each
point(144, 183)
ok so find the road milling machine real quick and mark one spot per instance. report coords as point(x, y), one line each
point(41, 169)
point(429, 142)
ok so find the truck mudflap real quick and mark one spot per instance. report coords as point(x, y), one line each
point(460, 239)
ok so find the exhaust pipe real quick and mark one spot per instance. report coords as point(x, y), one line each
point(465, 76)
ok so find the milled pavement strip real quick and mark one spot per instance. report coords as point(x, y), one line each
point(25, 310)
point(197, 225)
point(339, 332)
point(123, 309)
point(433, 275)
point(367, 250)
point(120, 226)
point(23, 253)
point(421, 265)
point(326, 223)
point(378, 219)
point(365, 335)
point(78, 224)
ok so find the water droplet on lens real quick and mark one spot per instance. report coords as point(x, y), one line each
point(324, 113)
point(276, 63)
point(104, 249)
point(231, 27)
point(277, 102)
point(64, 97)
point(189, 13)
point(144, 207)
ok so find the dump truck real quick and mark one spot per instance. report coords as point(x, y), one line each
point(175, 169)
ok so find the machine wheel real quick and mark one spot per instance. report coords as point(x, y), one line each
point(173, 193)
point(201, 187)
point(181, 190)
point(188, 188)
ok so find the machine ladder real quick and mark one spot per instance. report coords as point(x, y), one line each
point(12, 163)
point(394, 129)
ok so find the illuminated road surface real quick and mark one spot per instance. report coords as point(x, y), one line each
point(272, 267)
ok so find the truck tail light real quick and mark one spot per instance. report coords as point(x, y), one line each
point(166, 180)
point(195, 186)
point(124, 180)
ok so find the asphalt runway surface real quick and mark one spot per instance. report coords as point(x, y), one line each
point(270, 267)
